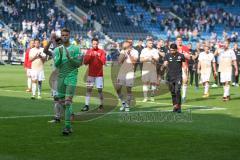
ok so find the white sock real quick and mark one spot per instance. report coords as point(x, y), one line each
point(87, 99)
point(224, 91)
point(145, 90)
point(29, 83)
point(34, 88)
point(228, 90)
point(184, 90)
point(206, 88)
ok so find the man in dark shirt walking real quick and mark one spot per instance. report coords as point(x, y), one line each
point(235, 79)
point(175, 62)
point(139, 47)
point(162, 51)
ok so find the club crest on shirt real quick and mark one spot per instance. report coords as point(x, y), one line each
point(96, 53)
point(179, 58)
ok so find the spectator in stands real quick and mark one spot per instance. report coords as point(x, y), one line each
point(1, 30)
point(50, 12)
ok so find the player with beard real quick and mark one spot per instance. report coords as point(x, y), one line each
point(176, 65)
point(127, 59)
point(95, 58)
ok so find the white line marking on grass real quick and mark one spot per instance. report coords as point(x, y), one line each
point(111, 113)
point(194, 107)
point(29, 116)
point(161, 103)
point(86, 113)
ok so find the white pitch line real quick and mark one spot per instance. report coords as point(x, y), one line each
point(201, 108)
point(187, 105)
point(110, 113)
point(30, 116)
point(86, 113)
point(160, 103)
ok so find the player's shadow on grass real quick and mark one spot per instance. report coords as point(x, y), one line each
point(215, 95)
point(211, 97)
point(2, 87)
point(164, 98)
point(199, 99)
point(208, 135)
point(235, 98)
point(151, 108)
point(110, 103)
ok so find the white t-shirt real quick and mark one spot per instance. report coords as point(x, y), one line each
point(37, 64)
point(149, 53)
point(127, 65)
point(133, 53)
point(205, 61)
point(225, 60)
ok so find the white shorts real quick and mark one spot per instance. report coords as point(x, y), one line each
point(205, 77)
point(149, 76)
point(37, 75)
point(126, 80)
point(28, 72)
point(97, 81)
point(225, 77)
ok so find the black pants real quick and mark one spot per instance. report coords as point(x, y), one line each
point(160, 73)
point(175, 89)
point(136, 66)
point(218, 78)
point(193, 75)
point(235, 79)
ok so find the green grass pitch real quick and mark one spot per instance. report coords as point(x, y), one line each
point(25, 134)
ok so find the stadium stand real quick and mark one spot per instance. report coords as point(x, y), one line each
point(113, 19)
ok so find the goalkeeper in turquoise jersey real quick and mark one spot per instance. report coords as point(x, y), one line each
point(67, 58)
